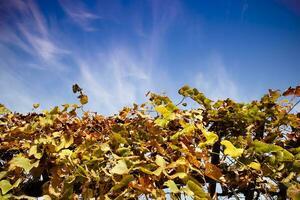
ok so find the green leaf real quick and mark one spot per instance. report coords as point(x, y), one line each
point(120, 168)
point(261, 147)
point(231, 150)
point(254, 165)
point(5, 186)
point(22, 162)
point(172, 186)
point(281, 153)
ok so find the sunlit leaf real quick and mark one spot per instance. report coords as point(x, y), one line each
point(22, 162)
point(3, 109)
point(120, 168)
point(2, 174)
point(172, 186)
point(211, 137)
point(5, 186)
point(231, 150)
point(34, 151)
point(159, 160)
point(254, 165)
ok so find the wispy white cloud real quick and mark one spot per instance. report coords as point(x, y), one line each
point(30, 32)
point(114, 78)
point(27, 43)
point(216, 82)
point(79, 14)
point(122, 74)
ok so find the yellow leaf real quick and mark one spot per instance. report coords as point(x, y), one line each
point(254, 165)
point(5, 186)
point(3, 174)
point(158, 171)
point(211, 137)
point(36, 105)
point(22, 162)
point(167, 114)
point(231, 150)
point(84, 99)
point(120, 168)
point(33, 151)
point(196, 189)
point(172, 186)
point(160, 161)
point(105, 147)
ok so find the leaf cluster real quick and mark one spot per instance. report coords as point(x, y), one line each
point(156, 149)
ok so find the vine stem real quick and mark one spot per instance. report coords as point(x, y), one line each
point(294, 106)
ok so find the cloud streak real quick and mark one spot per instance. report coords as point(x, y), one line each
point(29, 32)
point(215, 82)
point(79, 14)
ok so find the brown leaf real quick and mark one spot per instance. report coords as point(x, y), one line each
point(297, 91)
point(290, 91)
point(212, 171)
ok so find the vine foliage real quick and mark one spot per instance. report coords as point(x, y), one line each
point(154, 150)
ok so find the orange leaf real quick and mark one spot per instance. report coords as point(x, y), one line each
point(297, 91)
point(212, 171)
point(290, 91)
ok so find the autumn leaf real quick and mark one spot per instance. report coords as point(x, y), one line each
point(172, 186)
point(289, 91)
point(120, 168)
point(83, 99)
point(36, 105)
point(5, 186)
point(254, 165)
point(211, 137)
point(231, 150)
point(22, 162)
point(297, 91)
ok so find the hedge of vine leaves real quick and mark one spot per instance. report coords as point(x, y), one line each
point(155, 150)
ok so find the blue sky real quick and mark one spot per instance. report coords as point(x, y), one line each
point(119, 50)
